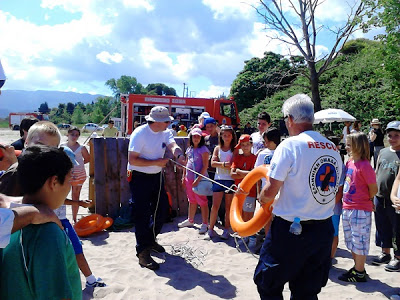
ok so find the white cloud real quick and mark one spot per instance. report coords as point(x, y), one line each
point(107, 58)
point(224, 9)
point(214, 91)
point(146, 4)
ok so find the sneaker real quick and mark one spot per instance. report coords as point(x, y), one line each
point(98, 283)
point(393, 265)
point(210, 234)
point(383, 258)
point(225, 235)
point(203, 228)
point(353, 276)
point(185, 223)
point(395, 297)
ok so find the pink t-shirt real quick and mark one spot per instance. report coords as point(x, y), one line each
point(355, 190)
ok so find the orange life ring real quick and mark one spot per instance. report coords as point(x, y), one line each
point(89, 225)
point(262, 216)
point(108, 222)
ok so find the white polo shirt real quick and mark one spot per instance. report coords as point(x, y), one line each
point(6, 225)
point(310, 167)
point(151, 145)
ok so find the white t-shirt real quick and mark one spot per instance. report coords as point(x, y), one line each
point(264, 158)
point(345, 133)
point(223, 173)
point(258, 142)
point(2, 74)
point(6, 224)
point(151, 145)
point(310, 167)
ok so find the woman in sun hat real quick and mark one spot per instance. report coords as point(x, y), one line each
point(376, 136)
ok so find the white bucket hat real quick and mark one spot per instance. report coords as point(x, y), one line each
point(204, 115)
point(159, 114)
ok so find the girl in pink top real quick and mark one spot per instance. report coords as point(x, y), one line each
point(358, 192)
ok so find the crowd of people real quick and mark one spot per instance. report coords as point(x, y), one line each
point(309, 184)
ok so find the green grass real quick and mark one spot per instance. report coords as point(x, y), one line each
point(4, 123)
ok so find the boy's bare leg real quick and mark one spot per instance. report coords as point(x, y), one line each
point(83, 265)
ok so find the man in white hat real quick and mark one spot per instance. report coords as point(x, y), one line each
point(146, 159)
point(376, 136)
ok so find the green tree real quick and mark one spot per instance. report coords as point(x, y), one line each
point(44, 108)
point(125, 85)
point(302, 34)
point(78, 116)
point(160, 89)
point(97, 115)
point(70, 108)
point(261, 78)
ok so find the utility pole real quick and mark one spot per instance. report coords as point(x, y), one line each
point(185, 89)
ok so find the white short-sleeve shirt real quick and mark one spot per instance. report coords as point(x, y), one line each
point(151, 145)
point(310, 167)
point(6, 225)
point(264, 158)
point(258, 142)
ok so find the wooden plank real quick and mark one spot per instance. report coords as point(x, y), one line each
point(99, 176)
point(125, 193)
point(91, 178)
point(173, 181)
point(112, 177)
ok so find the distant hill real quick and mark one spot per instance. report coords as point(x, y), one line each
point(24, 101)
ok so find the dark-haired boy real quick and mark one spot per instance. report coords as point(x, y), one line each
point(263, 123)
point(41, 258)
point(385, 216)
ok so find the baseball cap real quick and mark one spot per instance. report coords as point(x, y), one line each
point(209, 121)
point(204, 115)
point(196, 131)
point(243, 138)
point(394, 125)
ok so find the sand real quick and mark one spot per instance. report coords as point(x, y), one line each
point(217, 269)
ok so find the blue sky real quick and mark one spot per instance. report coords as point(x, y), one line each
point(77, 45)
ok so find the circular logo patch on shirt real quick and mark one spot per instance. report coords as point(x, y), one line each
point(323, 179)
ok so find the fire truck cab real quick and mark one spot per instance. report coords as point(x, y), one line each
point(135, 107)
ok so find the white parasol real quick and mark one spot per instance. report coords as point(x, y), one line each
point(332, 115)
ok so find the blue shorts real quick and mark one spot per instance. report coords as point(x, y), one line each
point(70, 231)
point(217, 188)
point(335, 222)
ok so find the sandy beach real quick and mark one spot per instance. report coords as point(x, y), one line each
point(212, 269)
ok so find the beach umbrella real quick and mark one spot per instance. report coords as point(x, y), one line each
point(332, 115)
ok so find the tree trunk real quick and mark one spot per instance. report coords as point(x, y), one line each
point(314, 82)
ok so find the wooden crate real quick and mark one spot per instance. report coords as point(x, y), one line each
point(108, 187)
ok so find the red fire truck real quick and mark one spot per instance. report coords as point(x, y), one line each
point(185, 111)
point(14, 119)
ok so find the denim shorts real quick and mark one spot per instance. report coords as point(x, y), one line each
point(217, 188)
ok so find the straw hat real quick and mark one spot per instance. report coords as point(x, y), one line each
point(375, 122)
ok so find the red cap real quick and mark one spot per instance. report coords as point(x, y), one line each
point(243, 138)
